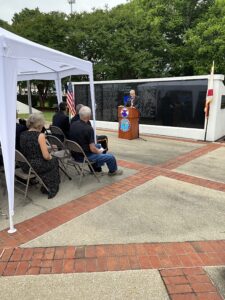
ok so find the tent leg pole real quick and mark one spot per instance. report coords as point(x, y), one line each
point(12, 229)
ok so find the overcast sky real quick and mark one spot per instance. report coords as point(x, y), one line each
point(9, 7)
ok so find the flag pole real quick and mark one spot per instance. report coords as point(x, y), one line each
point(209, 98)
point(206, 127)
point(70, 99)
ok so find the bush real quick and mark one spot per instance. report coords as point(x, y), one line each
point(51, 101)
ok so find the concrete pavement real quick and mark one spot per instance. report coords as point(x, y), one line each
point(152, 212)
point(165, 214)
point(145, 284)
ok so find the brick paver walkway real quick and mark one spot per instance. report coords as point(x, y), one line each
point(180, 264)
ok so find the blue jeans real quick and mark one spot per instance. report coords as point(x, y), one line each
point(101, 159)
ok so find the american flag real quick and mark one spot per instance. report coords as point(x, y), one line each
point(209, 96)
point(70, 99)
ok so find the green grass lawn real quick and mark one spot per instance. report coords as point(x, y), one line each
point(47, 115)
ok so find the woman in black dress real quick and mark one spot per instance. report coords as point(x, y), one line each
point(34, 148)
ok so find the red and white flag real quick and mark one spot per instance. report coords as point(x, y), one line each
point(70, 100)
point(209, 96)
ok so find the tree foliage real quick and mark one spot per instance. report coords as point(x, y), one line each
point(48, 29)
point(206, 40)
point(138, 39)
point(5, 25)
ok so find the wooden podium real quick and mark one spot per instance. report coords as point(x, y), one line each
point(128, 122)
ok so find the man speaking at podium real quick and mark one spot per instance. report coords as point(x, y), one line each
point(133, 100)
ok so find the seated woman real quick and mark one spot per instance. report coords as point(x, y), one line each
point(34, 148)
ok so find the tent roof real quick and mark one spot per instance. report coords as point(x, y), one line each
point(35, 61)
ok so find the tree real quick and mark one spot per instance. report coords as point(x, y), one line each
point(170, 21)
point(5, 25)
point(88, 38)
point(206, 40)
point(48, 29)
point(115, 41)
point(138, 39)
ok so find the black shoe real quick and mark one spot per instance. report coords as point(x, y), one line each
point(52, 194)
point(43, 190)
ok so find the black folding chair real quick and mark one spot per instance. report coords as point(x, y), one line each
point(57, 132)
point(80, 163)
point(59, 151)
point(26, 177)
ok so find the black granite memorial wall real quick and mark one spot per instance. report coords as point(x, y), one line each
point(165, 103)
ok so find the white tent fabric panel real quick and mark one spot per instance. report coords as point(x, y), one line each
point(30, 67)
point(22, 48)
point(8, 91)
point(50, 76)
point(21, 59)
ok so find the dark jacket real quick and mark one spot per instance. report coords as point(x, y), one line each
point(75, 118)
point(61, 120)
point(19, 129)
point(136, 102)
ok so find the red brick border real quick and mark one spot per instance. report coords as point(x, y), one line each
point(214, 185)
point(100, 258)
point(189, 284)
point(182, 159)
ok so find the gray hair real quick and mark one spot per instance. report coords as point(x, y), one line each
point(85, 112)
point(36, 121)
point(78, 107)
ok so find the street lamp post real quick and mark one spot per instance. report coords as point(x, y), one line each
point(71, 2)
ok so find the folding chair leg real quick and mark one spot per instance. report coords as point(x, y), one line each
point(77, 168)
point(81, 174)
point(63, 168)
point(67, 175)
point(90, 165)
point(27, 186)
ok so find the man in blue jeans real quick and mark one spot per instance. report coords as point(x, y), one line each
point(83, 134)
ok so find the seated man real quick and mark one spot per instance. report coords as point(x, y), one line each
point(101, 139)
point(83, 134)
point(61, 120)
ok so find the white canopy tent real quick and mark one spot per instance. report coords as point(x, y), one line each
point(21, 59)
